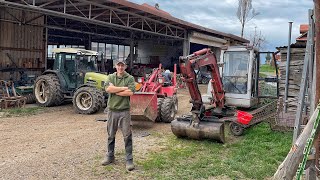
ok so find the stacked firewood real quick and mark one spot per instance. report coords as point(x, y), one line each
point(295, 74)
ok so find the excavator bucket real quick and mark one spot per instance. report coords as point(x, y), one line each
point(181, 127)
point(144, 106)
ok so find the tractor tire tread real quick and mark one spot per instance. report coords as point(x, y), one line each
point(166, 110)
point(159, 103)
point(97, 97)
point(55, 95)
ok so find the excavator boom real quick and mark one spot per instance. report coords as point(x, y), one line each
point(200, 125)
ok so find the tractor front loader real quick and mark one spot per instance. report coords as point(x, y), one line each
point(157, 99)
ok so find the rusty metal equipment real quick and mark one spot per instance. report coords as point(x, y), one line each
point(9, 97)
point(157, 98)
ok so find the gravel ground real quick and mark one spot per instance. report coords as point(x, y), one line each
point(60, 144)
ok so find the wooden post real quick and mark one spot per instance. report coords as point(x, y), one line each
point(316, 82)
point(317, 49)
point(288, 168)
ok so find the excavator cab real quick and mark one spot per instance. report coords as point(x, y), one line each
point(247, 75)
point(239, 72)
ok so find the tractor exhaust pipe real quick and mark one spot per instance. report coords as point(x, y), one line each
point(181, 127)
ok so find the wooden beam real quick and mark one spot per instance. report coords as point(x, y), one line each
point(21, 49)
point(288, 168)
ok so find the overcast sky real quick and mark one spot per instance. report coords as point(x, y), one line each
point(221, 15)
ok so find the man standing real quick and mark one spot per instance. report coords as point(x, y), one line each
point(120, 86)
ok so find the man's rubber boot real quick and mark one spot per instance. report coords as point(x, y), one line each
point(130, 165)
point(108, 160)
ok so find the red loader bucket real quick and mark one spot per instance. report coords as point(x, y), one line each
point(243, 117)
point(144, 106)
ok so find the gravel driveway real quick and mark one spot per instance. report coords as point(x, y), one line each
point(60, 144)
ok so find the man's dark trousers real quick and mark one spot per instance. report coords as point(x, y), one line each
point(122, 120)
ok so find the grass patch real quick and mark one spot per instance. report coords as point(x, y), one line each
point(256, 155)
point(21, 111)
point(267, 68)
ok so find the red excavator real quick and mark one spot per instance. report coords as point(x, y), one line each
point(201, 122)
point(226, 94)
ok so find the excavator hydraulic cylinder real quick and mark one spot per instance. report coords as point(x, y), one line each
point(181, 127)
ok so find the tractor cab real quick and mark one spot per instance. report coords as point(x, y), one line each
point(73, 64)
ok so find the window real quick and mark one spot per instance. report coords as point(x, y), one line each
point(126, 51)
point(235, 72)
point(121, 52)
point(94, 46)
point(51, 54)
point(114, 52)
point(108, 51)
point(102, 48)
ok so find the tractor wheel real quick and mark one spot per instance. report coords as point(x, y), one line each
point(47, 91)
point(168, 110)
point(87, 100)
point(175, 101)
point(159, 103)
point(236, 129)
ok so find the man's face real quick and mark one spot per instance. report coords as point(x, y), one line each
point(120, 68)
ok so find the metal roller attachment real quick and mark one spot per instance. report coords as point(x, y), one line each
point(181, 127)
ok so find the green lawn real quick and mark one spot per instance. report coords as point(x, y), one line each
point(255, 155)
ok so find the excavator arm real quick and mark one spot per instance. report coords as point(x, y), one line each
point(194, 61)
point(201, 124)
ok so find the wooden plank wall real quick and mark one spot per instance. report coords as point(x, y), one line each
point(24, 43)
point(295, 74)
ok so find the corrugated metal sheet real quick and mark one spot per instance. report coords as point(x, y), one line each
point(179, 22)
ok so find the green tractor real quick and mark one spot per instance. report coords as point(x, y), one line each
point(75, 76)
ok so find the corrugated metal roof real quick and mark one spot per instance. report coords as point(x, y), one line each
point(164, 15)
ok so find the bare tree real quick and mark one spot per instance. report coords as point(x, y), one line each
point(245, 13)
point(257, 39)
